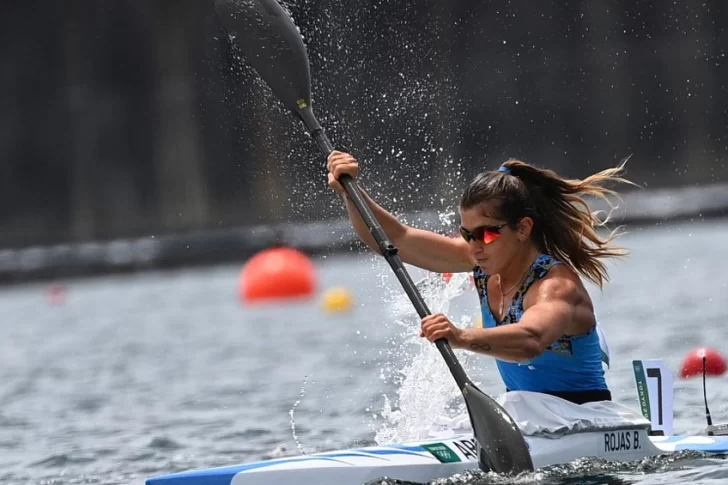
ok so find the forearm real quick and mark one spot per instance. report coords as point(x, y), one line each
point(510, 343)
point(391, 225)
point(419, 247)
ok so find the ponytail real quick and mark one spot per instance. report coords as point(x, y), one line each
point(564, 226)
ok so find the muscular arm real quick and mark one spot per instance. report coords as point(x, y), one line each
point(425, 249)
point(550, 308)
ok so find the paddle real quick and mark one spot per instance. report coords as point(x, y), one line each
point(271, 43)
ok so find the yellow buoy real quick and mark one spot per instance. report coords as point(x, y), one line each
point(478, 322)
point(337, 300)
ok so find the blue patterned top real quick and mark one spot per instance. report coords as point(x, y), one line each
point(572, 363)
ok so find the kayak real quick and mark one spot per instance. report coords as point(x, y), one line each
point(428, 460)
point(556, 432)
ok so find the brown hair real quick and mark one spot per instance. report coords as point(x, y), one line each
point(564, 226)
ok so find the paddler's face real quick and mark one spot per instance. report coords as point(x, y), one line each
point(491, 240)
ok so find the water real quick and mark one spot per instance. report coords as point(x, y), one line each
point(139, 375)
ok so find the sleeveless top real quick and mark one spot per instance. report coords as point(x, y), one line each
point(572, 363)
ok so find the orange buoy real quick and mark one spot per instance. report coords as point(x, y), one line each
point(693, 363)
point(277, 273)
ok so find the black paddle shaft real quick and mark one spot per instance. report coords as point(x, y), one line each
point(503, 448)
point(386, 247)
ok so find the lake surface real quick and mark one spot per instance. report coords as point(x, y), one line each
point(138, 375)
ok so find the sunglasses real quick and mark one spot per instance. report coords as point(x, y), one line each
point(484, 234)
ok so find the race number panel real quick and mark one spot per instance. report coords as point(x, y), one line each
point(654, 388)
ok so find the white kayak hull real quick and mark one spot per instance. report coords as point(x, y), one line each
point(428, 460)
point(556, 431)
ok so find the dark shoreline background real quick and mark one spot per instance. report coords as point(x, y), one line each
point(203, 247)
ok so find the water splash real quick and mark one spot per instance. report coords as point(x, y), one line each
point(291, 412)
point(426, 390)
point(403, 119)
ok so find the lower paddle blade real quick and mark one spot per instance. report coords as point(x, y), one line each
point(503, 448)
point(272, 45)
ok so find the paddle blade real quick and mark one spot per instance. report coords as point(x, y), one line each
point(503, 448)
point(273, 46)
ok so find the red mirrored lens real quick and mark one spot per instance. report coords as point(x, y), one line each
point(484, 234)
point(489, 236)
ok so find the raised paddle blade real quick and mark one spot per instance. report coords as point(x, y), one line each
point(503, 449)
point(272, 45)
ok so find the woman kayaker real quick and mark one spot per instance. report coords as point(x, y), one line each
point(528, 236)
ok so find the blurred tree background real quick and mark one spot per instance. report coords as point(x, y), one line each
point(135, 117)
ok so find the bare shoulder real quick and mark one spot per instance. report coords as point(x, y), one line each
point(561, 285)
point(559, 282)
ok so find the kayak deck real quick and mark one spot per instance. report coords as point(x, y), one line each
point(429, 460)
point(705, 444)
